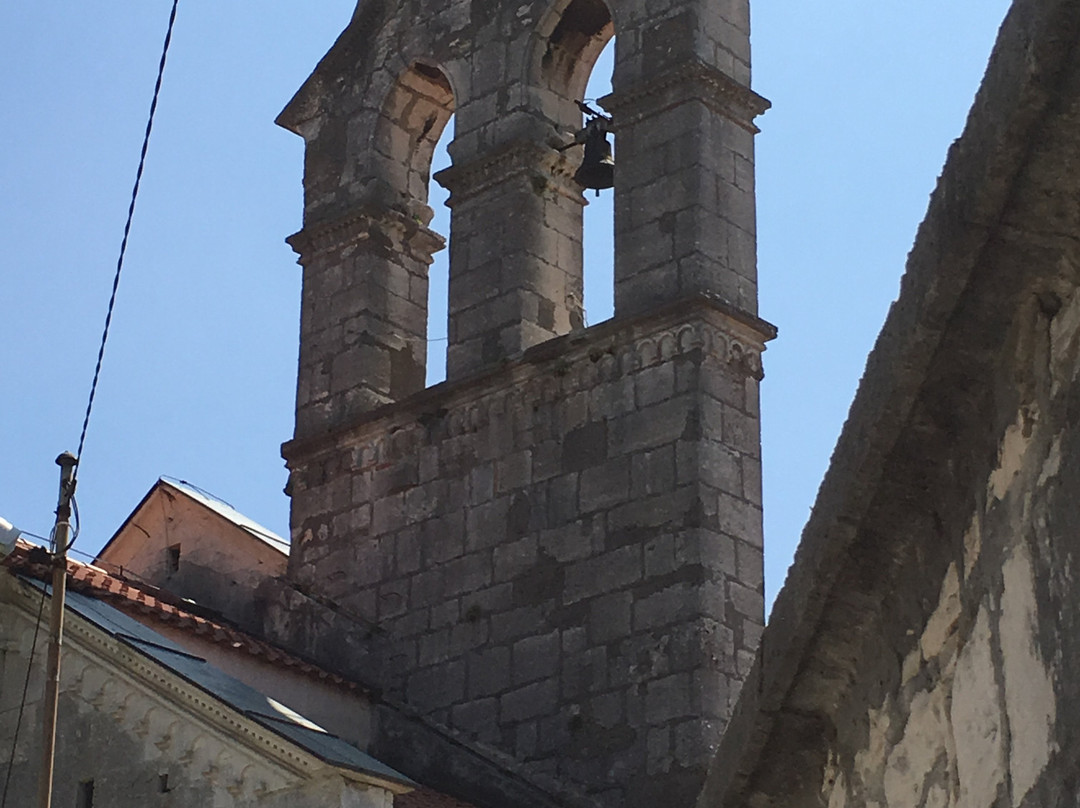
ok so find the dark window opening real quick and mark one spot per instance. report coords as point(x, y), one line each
point(84, 797)
point(172, 558)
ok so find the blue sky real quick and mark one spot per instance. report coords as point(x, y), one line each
point(199, 374)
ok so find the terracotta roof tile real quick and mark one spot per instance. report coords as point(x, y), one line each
point(127, 596)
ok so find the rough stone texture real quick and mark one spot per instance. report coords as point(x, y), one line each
point(557, 554)
point(562, 599)
point(919, 653)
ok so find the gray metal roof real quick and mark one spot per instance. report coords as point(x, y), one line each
point(224, 509)
point(244, 699)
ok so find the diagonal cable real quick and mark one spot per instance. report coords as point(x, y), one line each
point(127, 232)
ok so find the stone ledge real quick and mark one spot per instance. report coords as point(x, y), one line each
point(686, 82)
point(357, 226)
point(553, 369)
point(541, 163)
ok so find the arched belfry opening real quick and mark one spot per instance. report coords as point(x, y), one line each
point(574, 64)
point(413, 132)
point(410, 124)
point(570, 52)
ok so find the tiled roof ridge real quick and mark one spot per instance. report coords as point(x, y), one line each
point(129, 596)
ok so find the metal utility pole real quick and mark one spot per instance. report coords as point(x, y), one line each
point(61, 534)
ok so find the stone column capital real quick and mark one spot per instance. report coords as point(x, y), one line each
point(690, 80)
point(542, 166)
point(384, 229)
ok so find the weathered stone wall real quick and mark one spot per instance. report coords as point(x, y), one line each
point(561, 560)
point(557, 554)
point(982, 709)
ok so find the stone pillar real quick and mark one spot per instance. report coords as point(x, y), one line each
point(515, 253)
point(363, 318)
point(684, 183)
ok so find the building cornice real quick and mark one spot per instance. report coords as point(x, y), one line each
point(551, 370)
point(689, 81)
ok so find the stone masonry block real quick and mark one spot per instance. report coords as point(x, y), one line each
point(535, 657)
point(652, 472)
point(654, 384)
point(739, 518)
point(531, 701)
point(605, 485)
point(741, 432)
point(441, 686)
point(515, 623)
point(654, 426)
point(488, 671)
point(467, 573)
point(478, 718)
point(562, 500)
point(468, 635)
point(569, 542)
point(610, 617)
point(482, 483)
point(667, 606)
point(514, 558)
point(434, 647)
point(668, 698)
point(585, 447)
point(712, 696)
point(443, 538)
point(746, 601)
point(749, 565)
point(659, 556)
point(584, 673)
point(604, 573)
point(513, 471)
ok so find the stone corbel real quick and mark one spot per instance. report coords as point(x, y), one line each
point(686, 82)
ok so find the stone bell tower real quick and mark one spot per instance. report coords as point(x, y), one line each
point(557, 553)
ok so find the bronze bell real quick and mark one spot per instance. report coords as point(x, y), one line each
point(597, 169)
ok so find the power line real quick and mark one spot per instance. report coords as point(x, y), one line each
point(124, 241)
point(93, 386)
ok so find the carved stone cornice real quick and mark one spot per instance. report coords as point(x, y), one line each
point(685, 82)
point(545, 168)
point(406, 233)
point(546, 374)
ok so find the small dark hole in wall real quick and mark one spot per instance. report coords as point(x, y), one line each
point(163, 784)
point(172, 558)
point(84, 797)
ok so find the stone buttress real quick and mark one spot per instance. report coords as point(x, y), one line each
point(556, 554)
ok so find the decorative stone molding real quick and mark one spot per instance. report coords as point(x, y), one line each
point(685, 82)
point(407, 234)
point(583, 361)
point(542, 165)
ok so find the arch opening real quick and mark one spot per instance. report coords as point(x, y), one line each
point(438, 301)
point(576, 62)
point(412, 120)
point(598, 218)
point(409, 145)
